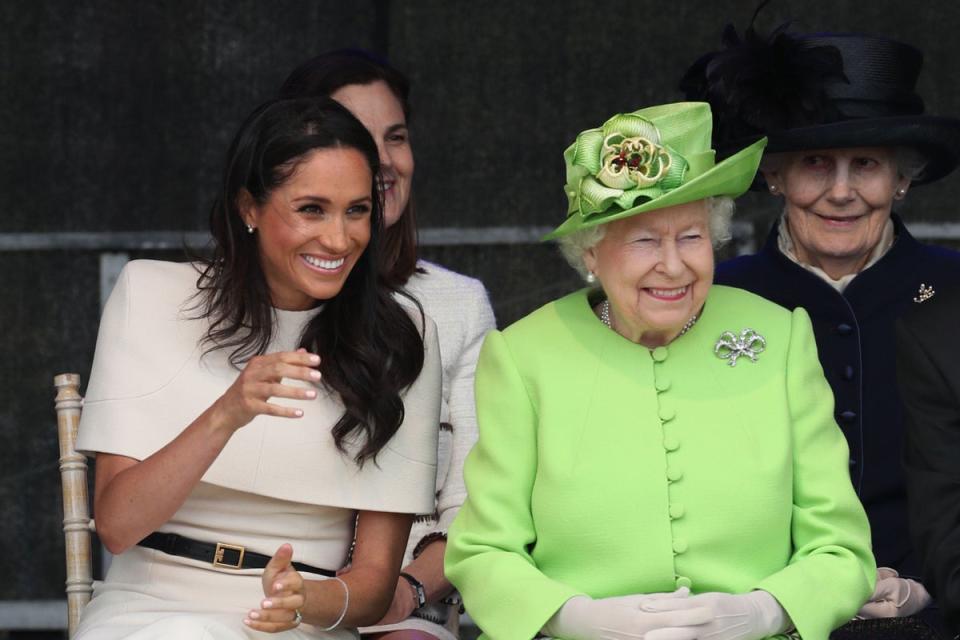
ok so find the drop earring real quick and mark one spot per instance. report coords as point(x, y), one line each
point(591, 278)
point(250, 228)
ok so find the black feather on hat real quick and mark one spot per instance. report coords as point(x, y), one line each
point(765, 84)
point(817, 91)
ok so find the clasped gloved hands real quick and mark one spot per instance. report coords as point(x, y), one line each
point(894, 597)
point(627, 618)
point(748, 616)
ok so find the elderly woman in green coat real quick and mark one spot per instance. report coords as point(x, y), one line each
point(658, 457)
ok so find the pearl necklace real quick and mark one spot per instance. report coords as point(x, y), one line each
point(605, 319)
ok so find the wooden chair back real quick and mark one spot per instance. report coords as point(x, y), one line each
point(77, 525)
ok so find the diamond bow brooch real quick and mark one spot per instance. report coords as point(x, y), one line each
point(731, 346)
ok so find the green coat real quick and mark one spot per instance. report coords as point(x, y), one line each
point(605, 468)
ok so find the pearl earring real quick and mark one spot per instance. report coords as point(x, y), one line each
point(591, 278)
point(250, 228)
point(774, 190)
point(901, 192)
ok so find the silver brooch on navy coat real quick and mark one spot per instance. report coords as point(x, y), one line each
point(924, 294)
point(731, 346)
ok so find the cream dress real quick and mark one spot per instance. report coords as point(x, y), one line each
point(276, 481)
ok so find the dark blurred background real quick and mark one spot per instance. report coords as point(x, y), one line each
point(115, 115)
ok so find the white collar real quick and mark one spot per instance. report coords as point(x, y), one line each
point(786, 245)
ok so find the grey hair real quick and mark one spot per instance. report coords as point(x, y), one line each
point(573, 246)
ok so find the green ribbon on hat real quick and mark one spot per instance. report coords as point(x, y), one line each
point(599, 165)
point(652, 158)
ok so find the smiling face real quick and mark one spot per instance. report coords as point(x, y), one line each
point(314, 227)
point(837, 202)
point(656, 269)
point(381, 113)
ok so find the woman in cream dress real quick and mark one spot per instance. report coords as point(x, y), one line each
point(246, 411)
point(378, 95)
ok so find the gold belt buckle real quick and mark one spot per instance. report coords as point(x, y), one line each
point(218, 555)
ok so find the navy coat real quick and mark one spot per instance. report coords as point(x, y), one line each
point(928, 367)
point(856, 341)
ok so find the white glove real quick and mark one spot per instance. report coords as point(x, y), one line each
point(747, 616)
point(626, 618)
point(894, 597)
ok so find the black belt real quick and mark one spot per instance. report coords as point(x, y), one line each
point(219, 554)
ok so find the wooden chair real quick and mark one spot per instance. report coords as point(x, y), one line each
point(77, 525)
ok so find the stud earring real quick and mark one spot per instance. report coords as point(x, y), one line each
point(250, 228)
point(774, 190)
point(901, 192)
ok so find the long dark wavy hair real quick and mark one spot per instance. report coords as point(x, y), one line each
point(323, 75)
point(367, 365)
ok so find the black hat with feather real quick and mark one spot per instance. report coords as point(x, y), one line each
point(820, 91)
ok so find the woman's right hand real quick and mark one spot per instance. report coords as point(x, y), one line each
point(134, 497)
point(260, 380)
point(627, 618)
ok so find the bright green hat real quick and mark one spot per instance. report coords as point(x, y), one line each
point(647, 160)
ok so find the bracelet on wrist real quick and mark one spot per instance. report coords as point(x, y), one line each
point(426, 541)
point(346, 605)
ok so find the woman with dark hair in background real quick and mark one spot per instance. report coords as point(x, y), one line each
point(378, 95)
point(848, 138)
point(245, 418)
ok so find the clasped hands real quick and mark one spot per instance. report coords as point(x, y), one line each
point(894, 597)
point(670, 616)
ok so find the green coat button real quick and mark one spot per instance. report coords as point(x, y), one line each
point(676, 511)
point(683, 581)
point(659, 354)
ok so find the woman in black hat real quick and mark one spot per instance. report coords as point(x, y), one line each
point(848, 137)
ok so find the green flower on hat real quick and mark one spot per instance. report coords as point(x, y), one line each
point(646, 160)
point(619, 163)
